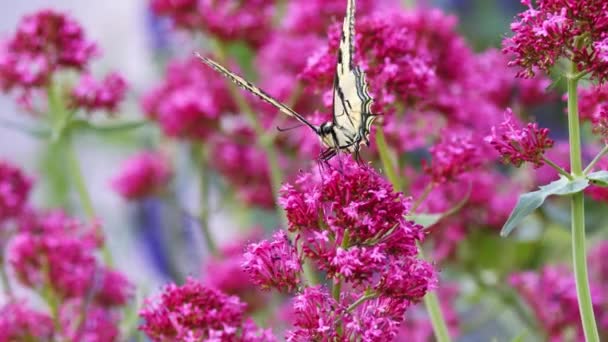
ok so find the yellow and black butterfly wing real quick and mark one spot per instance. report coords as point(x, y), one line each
point(242, 83)
point(351, 100)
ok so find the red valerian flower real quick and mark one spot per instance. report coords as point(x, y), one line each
point(193, 312)
point(91, 94)
point(142, 175)
point(453, 155)
point(351, 225)
point(98, 324)
point(189, 102)
point(228, 20)
point(315, 316)
point(274, 264)
point(14, 190)
point(44, 42)
point(573, 30)
point(517, 145)
point(20, 323)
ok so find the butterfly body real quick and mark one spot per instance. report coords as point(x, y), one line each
point(352, 116)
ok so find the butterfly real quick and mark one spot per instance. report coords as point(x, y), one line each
point(352, 116)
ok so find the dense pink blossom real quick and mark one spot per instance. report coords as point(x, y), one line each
point(351, 224)
point(234, 149)
point(551, 294)
point(453, 155)
point(189, 101)
point(44, 42)
point(112, 288)
point(517, 144)
point(20, 323)
point(315, 315)
point(592, 101)
point(224, 272)
point(227, 20)
point(57, 251)
point(14, 190)
point(194, 312)
point(142, 175)
point(98, 324)
point(91, 94)
point(377, 319)
point(274, 264)
point(544, 34)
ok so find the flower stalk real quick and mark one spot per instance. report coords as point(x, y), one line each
point(579, 253)
point(431, 301)
point(203, 219)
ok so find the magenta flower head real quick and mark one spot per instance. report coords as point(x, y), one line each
point(193, 312)
point(98, 323)
point(518, 144)
point(316, 315)
point(20, 323)
point(274, 264)
point(555, 29)
point(227, 20)
point(190, 100)
point(14, 190)
point(91, 94)
point(44, 42)
point(142, 175)
point(351, 224)
point(453, 155)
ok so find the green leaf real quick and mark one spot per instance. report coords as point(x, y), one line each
point(599, 178)
point(528, 202)
point(425, 220)
point(111, 128)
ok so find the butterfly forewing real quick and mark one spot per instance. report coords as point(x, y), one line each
point(238, 80)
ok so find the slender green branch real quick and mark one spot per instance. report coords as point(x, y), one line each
point(385, 157)
point(6, 282)
point(579, 253)
point(203, 217)
point(597, 158)
point(425, 193)
point(557, 168)
point(337, 287)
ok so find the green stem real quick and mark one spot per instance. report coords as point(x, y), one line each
point(387, 164)
point(579, 253)
point(6, 282)
point(597, 158)
point(264, 141)
point(203, 220)
point(83, 193)
point(431, 302)
point(558, 168)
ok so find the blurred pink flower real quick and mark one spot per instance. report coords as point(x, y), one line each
point(20, 323)
point(453, 155)
point(142, 175)
point(44, 42)
point(228, 20)
point(91, 94)
point(194, 312)
point(98, 324)
point(14, 190)
point(190, 101)
point(517, 145)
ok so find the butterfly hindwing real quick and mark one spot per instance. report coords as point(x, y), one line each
point(351, 100)
point(239, 81)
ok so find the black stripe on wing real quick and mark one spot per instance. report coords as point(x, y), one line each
point(239, 81)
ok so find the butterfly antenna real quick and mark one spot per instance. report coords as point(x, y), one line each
point(280, 129)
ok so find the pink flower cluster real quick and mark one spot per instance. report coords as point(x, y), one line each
point(44, 42)
point(226, 20)
point(351, 225)
point(452, 156)
point(91, 94)
point(14, 190)
point(193, 312)
point(189, 102)
point(20, 323)
point(576, 30)
point(517, 145)
point(551, 294)
point(143, 175)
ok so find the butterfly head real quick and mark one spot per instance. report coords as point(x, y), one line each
point(326, 133)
